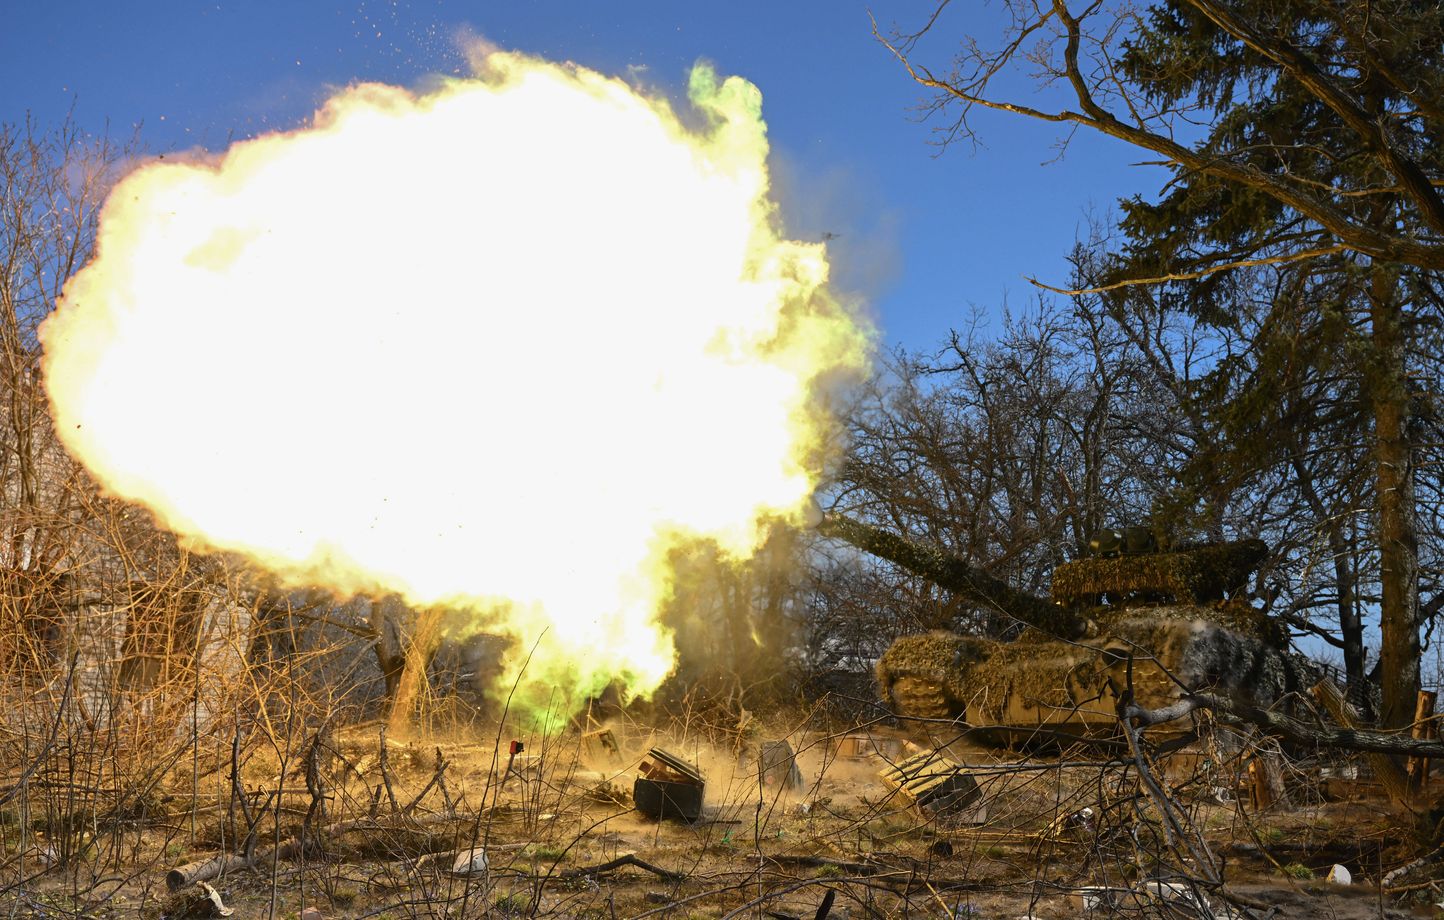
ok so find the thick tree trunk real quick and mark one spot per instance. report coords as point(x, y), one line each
point(1394, 484)
point(412, 685)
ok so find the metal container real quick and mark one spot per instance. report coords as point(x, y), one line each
point(669, 787)
point(663, 799)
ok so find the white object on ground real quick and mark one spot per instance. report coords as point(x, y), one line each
point(470, 862)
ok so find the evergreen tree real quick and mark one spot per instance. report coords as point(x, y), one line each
point(1304, 138)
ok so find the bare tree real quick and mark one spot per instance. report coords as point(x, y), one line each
point(1013, 451)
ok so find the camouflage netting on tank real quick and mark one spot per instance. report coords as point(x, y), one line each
point(948, 571)
point(917, 674)
point(1196, 575)
point(944, 675)
point(1215, 658)
point(1048, 679)
point(1203, 655)
point(1238, 616)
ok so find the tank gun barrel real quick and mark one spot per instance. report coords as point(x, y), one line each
point(948, 571)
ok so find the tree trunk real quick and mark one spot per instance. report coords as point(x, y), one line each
point(412, 687)
point(1394, 484)
point(1341, 549)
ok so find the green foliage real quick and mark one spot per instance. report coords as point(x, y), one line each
point(1298, 871)
point(511, 905)
point(547, 851)
point(344, 895)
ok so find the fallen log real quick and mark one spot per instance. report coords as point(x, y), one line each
point(203, 870)
point(1399, 877)
point(1290, 729)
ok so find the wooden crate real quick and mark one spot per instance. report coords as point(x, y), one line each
point(937, 787)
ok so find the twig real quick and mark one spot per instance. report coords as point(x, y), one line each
point(1173, 828)
point(54, 733)
point(629, 859)
point(435, 777)
point(775, 893)
point(1391, 880)
point(441, 782)
point(386, 772)
point(1302, 733)
point(818, 862)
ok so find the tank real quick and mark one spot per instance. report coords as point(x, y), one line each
point(1157, 624)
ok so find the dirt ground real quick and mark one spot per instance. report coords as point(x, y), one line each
point(561, 839)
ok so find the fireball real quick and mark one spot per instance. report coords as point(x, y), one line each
point(496, 347)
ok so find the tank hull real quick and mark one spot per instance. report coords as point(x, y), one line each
point(1074, 687)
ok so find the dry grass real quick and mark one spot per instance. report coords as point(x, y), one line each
point(366, 824)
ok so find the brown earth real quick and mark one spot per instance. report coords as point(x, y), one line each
point(566, 810)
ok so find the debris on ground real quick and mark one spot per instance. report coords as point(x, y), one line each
point(777, 765)
point(470, 861)
point(937, 786)
point(668, 787)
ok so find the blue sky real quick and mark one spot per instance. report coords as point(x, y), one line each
point(923, 237)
